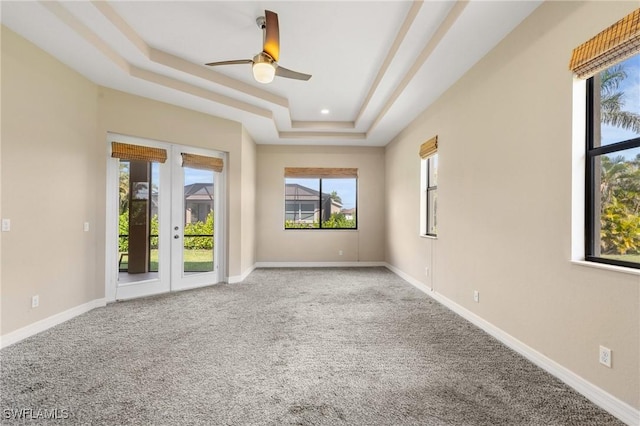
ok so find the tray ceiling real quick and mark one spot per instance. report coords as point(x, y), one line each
point(375, 64)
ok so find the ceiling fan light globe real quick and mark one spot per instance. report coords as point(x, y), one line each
point(263, 72)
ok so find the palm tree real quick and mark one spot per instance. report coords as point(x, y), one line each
point(620, 177)
point(335, 197)
point(620, 205)
point(613, 169)
point(611, 100)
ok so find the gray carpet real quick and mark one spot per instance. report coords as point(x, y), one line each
point(356, 346)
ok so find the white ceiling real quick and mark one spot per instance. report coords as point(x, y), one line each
point(375, 64)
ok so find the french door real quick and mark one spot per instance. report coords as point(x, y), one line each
point(166, 203)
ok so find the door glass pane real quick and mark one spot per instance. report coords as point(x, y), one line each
point(123, 217)
point(137, 221)
point(153, 235)
point(198, 220)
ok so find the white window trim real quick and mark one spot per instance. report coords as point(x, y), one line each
point(578, 158)
point(423, 198)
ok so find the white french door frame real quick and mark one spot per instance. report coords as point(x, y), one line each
point(180, 280)
point(167, 279)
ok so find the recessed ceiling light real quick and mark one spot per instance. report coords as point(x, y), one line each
point(324, 111)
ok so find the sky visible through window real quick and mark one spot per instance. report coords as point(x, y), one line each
point(190, 176)
point(197, 176)
point(630, 86)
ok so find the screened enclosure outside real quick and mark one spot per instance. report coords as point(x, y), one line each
point(198, 217)
point(320, 203)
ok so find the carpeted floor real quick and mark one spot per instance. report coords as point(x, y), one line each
point(352, 346)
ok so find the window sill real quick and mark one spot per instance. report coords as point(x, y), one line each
point(613, 268)
point(429, 237)
point(322, 229)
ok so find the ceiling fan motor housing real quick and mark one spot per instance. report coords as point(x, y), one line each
point(263, 57)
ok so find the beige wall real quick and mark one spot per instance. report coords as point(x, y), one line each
point(48, 186)
point(54, 155)
point(248, 203)
point(504, 194)
point(277, 245)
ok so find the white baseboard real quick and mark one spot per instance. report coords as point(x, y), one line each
point(239, 278)
point(318, 264)
point(44, 324)
point(598, 396)
point(409, 279)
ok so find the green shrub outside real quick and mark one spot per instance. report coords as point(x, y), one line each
point(337, 220)
point(196, 228)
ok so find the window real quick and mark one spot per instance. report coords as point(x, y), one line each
point(613, 165)
point(611, 64)
point(320, 198)
point(429, 187)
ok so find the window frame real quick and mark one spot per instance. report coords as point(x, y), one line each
point(591, 153)
point(319, 201)
point(426, 188)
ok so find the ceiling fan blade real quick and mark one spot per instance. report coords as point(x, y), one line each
point(287, 73)
point(235, 62)
point(271, 35)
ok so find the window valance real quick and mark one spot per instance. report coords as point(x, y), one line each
point(615, 44)
point(202, 162)
point(429, 148)
point(125, 151)
point(320, 172)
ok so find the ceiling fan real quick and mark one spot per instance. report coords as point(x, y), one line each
point(265, 64)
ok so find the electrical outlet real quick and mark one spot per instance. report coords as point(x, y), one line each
point(35, 301)
point(426, 271)
point(605, 356)
point(6, 225)
point(476, 296)
point(86, 227)
point(340, 252)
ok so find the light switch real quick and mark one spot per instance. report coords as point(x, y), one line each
point(6, 225)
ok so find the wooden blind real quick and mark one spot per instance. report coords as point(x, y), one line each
point(202, 162)
point(126, 151)
point(615, 44)
point(320, 172)
point(428, 148)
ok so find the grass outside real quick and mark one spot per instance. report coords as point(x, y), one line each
point(195, 260)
